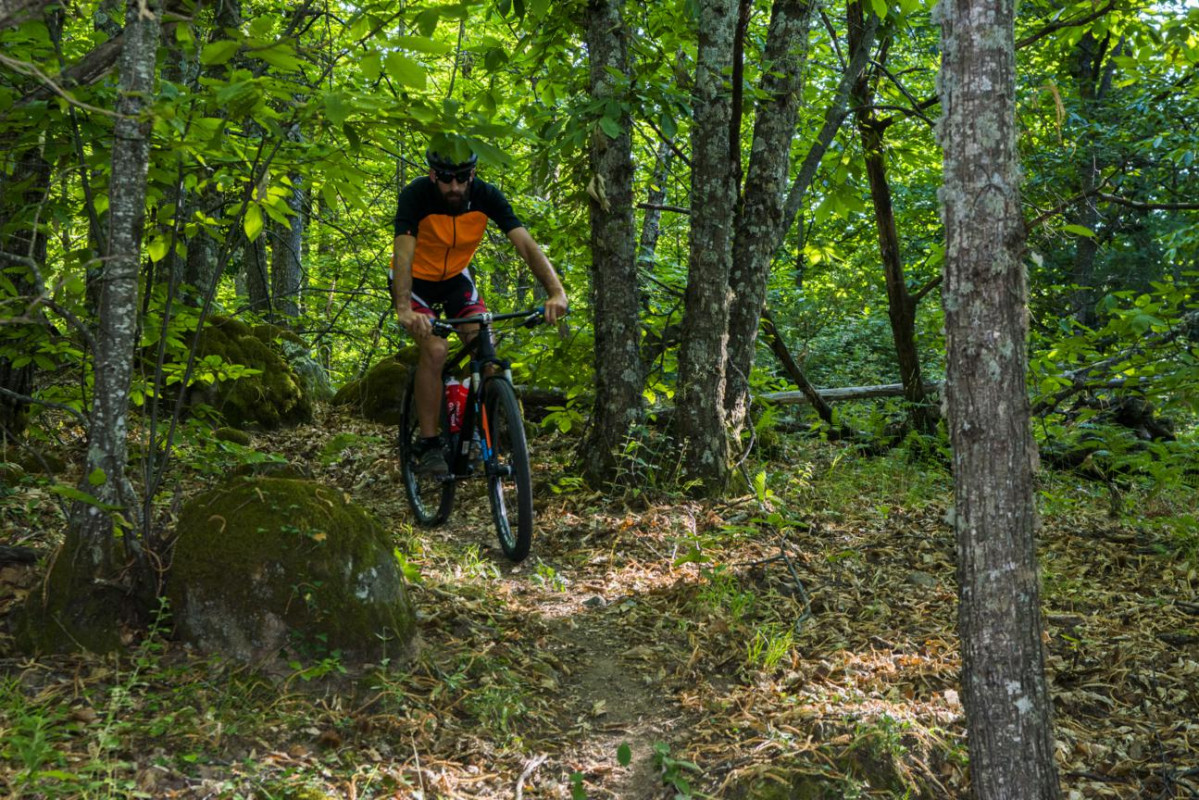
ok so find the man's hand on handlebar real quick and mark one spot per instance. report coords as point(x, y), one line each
point(416, 323)
point(555, 308)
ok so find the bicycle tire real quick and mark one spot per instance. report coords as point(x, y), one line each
point(431, 497)
point(507, 468)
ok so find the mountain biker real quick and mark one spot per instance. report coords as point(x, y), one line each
point(440, 220)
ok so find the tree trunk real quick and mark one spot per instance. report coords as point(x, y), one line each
point(751, 288)
point(651, 223)
point(986, 322)
point(287, 275)
point(89, 578)
point(257, 274)
point(22, 250)
point(1093, 73)
point(901, 306)
point(615, 299)
point(758, 228)
point(783, 354)
point(700, 396)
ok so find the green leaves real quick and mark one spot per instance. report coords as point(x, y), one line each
point(252, 224)
point(405, 71)
point(218, 52)
point(422, 44)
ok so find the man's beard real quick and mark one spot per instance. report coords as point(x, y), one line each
point(455, 200)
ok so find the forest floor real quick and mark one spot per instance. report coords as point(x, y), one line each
point(795, 642)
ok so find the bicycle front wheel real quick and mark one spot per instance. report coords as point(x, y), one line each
point(509, 484)
point(430, 496)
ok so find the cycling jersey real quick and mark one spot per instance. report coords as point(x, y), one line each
point(446, 240)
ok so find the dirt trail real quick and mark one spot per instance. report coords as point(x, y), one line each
point(609, 682)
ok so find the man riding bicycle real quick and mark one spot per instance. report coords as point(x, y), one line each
point(439, 223)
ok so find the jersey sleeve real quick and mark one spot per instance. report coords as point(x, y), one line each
point(410, 208)
point(492, 202)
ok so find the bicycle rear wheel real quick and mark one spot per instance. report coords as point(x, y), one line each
point(509, 484)
point(430, 496)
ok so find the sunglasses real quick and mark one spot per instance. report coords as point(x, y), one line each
point(449, 176)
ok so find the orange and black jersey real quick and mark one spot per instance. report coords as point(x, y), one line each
point(446, 240)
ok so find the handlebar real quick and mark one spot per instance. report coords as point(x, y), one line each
point(532, 316)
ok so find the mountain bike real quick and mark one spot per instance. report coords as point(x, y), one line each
point(486, 440)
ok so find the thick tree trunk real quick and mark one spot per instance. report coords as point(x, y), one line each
point(758, 228)
point(901, 305)
point(986, 322)
point(700, 397)
point(90, 576)
point(615, 298)
point(287, 274)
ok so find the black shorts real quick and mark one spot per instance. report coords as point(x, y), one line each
point(455, 297)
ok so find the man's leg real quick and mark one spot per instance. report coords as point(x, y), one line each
point(433, 350)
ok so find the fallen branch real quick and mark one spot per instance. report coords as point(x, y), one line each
point(847, 393)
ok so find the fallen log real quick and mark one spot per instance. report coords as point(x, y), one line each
point(847, 393)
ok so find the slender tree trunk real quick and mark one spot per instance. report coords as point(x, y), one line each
point(758, 227)
point(901, 305)
point(1093, 73)
point(651, 223)
point(779, 347)
point(700, 396)
point(615, 300)
point(22, 250)
point(90, 580)
point(994, 456)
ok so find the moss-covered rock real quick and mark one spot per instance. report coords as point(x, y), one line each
point(298, 355)
point(378, 394)
point(271, 399)
point(233, 435)
point(262, 564)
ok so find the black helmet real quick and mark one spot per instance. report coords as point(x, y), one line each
point(440, 162)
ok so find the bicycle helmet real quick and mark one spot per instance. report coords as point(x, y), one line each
point(439, 162)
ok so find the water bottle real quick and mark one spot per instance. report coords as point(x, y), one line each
point(455, 398)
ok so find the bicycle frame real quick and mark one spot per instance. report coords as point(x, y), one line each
point(482, 353)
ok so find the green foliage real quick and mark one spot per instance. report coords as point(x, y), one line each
point(771, 643)
point(673, 770)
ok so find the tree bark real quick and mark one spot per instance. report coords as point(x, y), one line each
point(287, 273)
point(256, 271)
point(901, 305)
point(89, 576)
point(758, 227)
point(615, 298)
point(651, 223)
point(994, 456)
point(700, 397)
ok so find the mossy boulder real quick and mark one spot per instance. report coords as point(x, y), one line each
point(266, 564)
point(233, 435)
point(295, 351)
point(273, 398)
point(378, 394)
